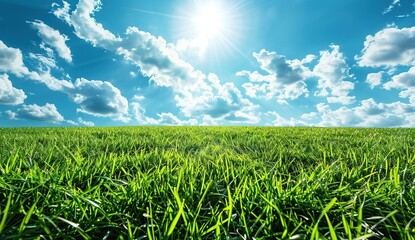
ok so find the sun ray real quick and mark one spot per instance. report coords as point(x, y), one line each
point(162, 14)
point(215, 23)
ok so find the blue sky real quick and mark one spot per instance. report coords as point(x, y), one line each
point(211, 62)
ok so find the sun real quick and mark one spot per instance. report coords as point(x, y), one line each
point(210, 28)
point(210, 20)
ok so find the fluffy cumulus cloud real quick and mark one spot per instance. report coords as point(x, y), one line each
point(368, 114)
point(46, 113)
point(158, 61)
point(99, 98)
point(8, 94)
point(94, 97)
point(284, 79)
point(53, 38)
point(389, 47)
point(404, 81)
point(374, 79)
point(85, 26)
point(332, 71)
point(219, 101)
point(285, 71)
point(11, 61)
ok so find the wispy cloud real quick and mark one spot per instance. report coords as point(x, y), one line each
point(53, 38)
point(391, 6)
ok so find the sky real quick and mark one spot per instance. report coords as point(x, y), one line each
point(212, 62)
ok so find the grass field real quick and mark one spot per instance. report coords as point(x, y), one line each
point(207, 183)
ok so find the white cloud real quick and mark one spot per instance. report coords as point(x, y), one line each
point(8, 94)
point(84, 24)
point(170, 119)
point(72, 122)
point(284, 79)
point(157, 61)
point(208, 121)
point(285, 71)
point(308, 59)
point(11, 61)
point(193, 49)
point(244, 117)
point(368, 114)
point(139, 114)
point(86, 123)
point(45, 63)
point(281, 121)
point(163, 118)
point(10, 115)
point(389, 47)
point(391, 6)
point(309, 116)
point(99, 98)
point(62, 12)
point(49, 51)
point(53, 83)
point(133, 74)
point(216, 100)
point(374, 79)
point(408, 93)
point(340, 117)
point(53, 38)
point(404, 81)
point(332, 70)
point(138, 98)
point(46, 113)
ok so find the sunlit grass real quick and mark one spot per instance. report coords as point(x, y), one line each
point(207, 183)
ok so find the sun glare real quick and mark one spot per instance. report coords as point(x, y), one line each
point(210, 20)
point(211, 27)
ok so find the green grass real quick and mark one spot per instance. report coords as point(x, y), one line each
point(207, 183)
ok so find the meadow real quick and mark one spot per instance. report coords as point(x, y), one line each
point(207, 183)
